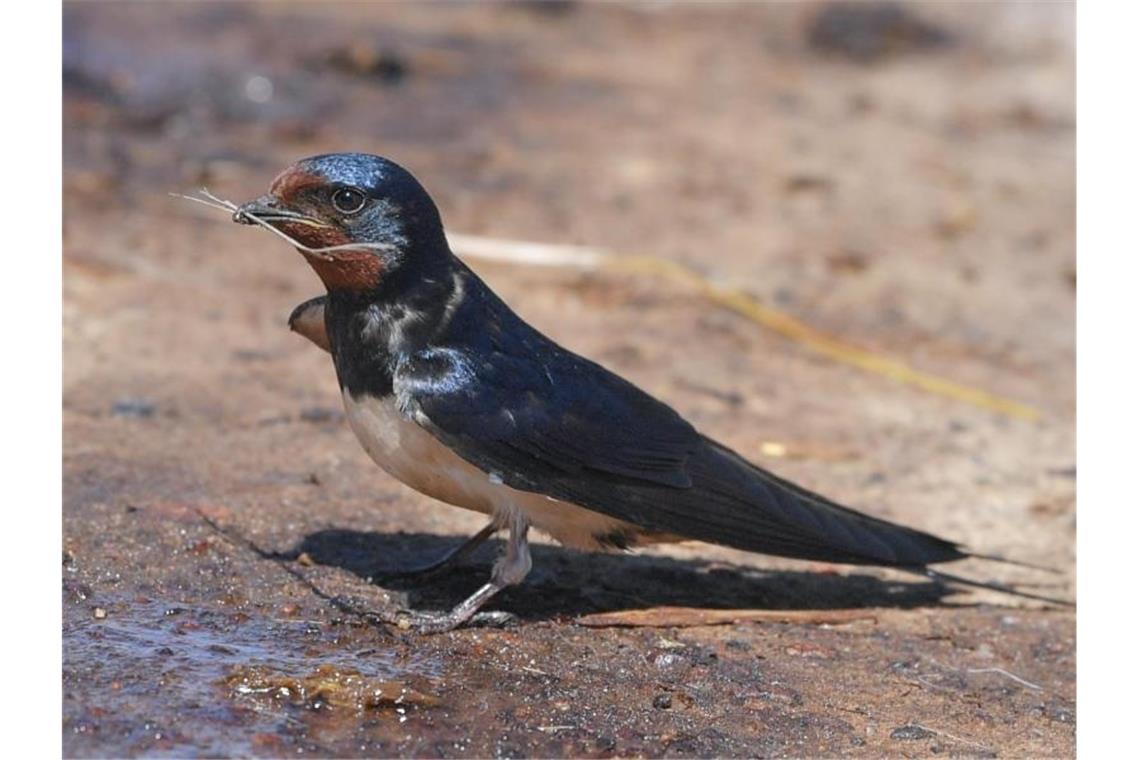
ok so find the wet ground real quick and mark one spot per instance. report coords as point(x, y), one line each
point(903, 184)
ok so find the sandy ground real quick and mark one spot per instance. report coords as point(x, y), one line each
point(908, 190)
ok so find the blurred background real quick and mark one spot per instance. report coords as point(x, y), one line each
point(899, 177)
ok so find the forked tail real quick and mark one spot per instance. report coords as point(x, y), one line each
point(1004, 588)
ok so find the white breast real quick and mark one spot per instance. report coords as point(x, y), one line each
point(413, 456)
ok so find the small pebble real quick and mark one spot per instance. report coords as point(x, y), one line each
point(910, 733)
point(363, 60)
point(319, 414)
point(99, 613)
point(133, 407)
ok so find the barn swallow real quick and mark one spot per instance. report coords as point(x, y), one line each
point(454, 395)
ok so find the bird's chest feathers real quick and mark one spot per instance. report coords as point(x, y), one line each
point(413, 456)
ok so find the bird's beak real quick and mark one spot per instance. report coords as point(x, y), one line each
point(268, 209)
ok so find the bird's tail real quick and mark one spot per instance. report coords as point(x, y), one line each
point(747, 507)
point(750, 508)
point(1004, 588)
point(1015, 562)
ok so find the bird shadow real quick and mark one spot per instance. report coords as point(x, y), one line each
point(567, 582)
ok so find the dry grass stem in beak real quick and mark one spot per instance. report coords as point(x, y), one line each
point(211, 200)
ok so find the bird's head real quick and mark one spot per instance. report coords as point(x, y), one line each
point(356, 217)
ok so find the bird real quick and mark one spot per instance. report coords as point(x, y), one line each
point(456, 396)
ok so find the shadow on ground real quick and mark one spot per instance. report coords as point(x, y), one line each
point(567, 582)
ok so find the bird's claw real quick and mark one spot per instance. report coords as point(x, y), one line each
point(494, 619)
point(442, 622)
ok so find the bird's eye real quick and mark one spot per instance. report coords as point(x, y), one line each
point(348, 200)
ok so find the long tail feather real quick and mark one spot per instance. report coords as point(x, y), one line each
point(1017, 562)
point(943, 577)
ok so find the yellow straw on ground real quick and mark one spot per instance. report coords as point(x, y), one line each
point(808, 336)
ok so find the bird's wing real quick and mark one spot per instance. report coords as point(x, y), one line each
point(560, 425)
point(531, 420)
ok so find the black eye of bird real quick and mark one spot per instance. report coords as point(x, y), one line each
point(348, 200)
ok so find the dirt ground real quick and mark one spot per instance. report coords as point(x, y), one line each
point(904, 185)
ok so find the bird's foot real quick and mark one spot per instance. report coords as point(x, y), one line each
point(442, 622)
point(509, 570)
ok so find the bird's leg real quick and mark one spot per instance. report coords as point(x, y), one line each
point(455, 555)
point(509, 570)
